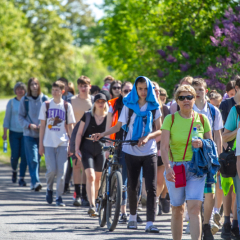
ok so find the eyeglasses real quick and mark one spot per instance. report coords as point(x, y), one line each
point(126, 91)
point(116, 88)
point(188, 97)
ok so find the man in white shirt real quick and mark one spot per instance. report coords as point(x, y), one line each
point(215, 118)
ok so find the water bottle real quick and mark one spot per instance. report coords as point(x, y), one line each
point(5, 146)
point(195, 137)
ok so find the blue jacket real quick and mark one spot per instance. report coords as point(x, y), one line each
point(205, 161)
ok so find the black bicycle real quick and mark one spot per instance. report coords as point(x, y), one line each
point(110, 192)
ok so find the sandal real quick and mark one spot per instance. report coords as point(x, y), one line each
point(132, 225)
point(152, 229)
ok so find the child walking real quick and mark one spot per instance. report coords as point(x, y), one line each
point(57, 120)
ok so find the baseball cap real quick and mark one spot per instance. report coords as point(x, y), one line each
point(100, 96)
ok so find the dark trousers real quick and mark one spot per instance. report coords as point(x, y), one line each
point(149, 165)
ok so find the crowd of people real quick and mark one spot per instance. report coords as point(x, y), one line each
point(164, 168)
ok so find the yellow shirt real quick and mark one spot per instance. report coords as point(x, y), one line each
point(179, 134)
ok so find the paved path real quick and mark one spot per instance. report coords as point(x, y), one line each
point(25, 215)
point(3, 104)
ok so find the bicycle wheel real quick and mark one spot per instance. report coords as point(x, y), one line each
point(102, 197)
point(115, 199)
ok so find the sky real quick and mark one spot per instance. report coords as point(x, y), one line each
point(97, 12)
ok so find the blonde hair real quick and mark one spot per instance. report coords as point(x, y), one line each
point(93, 108)
point(159, 100)
point(185, 88)
point(187, 79)
point(71, 88)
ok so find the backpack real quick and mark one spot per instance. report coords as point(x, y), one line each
point(26, 104)
point(75, 130)
point(212, 112)
point(130, 113)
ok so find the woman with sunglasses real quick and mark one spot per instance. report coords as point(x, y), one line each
point(115, 89)
point(176, 145)
point(115, 107)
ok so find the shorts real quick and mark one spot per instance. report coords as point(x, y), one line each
point(159, 162)
point(92, 155)
point(210, 187)
point(193, 191)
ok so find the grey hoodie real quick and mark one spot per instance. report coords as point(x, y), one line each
point(33, 113)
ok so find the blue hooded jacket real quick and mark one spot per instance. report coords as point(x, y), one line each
point(205, 161)
point(131, 101)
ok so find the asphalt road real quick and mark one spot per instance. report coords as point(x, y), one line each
point(25, 215)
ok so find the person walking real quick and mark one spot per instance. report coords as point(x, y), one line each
point(90, 153)
point(16, 134)
point(139, 114)
point(57, 120)
point(175, 140)
point(115, 89)
point(214, 116)
point(80, 103)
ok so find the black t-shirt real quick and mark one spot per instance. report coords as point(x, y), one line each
point(93, 127)
point(225, 107)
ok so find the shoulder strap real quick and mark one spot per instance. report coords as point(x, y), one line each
point(47, 108)
point(87, 121)
point(201, 119)
point(66, 110)
point(130, 113)
point(212, 111)
point(26, 104)
point(173, 116)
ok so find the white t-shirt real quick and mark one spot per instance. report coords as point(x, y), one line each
point(150, 147)
point(218, 122)
point(238, 143)
point(55, 132)
point(110, 110)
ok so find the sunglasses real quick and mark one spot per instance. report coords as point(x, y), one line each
point(127, 91)
point(116, 88)
point(188, 97)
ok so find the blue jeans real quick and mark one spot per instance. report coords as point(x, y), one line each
point(17, 150)
point(33, 158)
point(236, 182)
point(124, 178)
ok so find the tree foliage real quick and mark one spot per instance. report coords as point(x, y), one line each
point(161, 39)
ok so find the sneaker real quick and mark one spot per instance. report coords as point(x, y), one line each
point(37, 187)
point(123, 219)
point(159, 206)
point(165, 204)
point(139, 207)
point(31, 187)
point(92, 212)
point(66, 189)
point(235, 233)
point(217, 218)
point(132, 225)
point(22, 183)
point(139, 220)
point(59, 202)
point(214, 228)
point(77, 202)
point(85, 202)
point(187, 230)
point(226, 231)
point(14, 177)
point(207, 234)
point(49, 196)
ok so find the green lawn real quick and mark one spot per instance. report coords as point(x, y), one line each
point(5, 157)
